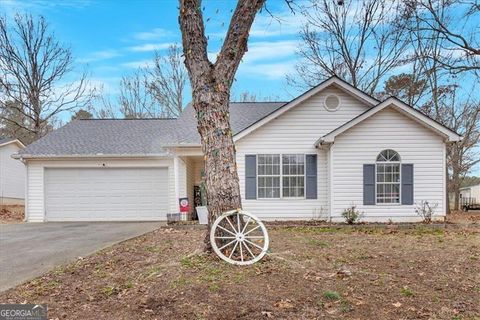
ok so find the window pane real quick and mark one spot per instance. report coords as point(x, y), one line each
point(301, 192)
point(261, 169)
point(388, 155)
point(286, 182)
point(286, 168)
point(276, 182)
point(380, 177)
point(276, 169)
point(261, 192)
point(261, 182)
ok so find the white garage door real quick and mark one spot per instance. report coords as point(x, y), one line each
point(106, 194)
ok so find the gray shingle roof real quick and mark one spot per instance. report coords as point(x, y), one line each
point(137, 137)
point(6, 139)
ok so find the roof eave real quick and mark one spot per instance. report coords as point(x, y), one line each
point(336, 81)
point(440, 129)
point(20, 144)
point(89, 156)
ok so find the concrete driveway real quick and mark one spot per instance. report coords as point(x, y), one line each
point(30, 249)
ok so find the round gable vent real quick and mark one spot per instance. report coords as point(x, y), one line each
point(332, 102)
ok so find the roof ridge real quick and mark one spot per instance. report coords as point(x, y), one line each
point(258, 101)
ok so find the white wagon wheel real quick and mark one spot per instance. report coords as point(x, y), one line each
point(238, 237)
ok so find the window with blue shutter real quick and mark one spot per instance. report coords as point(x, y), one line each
point(407, 184)
point(250, 176)
point(311, 176)
point(369, 184)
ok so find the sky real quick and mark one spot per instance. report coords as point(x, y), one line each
point(113, 38)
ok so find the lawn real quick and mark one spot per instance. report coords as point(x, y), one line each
point(311, 272)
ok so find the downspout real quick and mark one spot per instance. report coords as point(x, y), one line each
point(25, 218)
point(330, 182)
point(330, 177)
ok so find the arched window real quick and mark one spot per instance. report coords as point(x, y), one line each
point(388, 177)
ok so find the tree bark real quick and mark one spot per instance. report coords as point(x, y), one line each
point(211, 85)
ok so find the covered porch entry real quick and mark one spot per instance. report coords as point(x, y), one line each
point(189, 173)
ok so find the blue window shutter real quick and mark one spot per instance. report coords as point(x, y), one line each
point(368, 184)
point(407, 183)
point(250, 176)
point(311, 176)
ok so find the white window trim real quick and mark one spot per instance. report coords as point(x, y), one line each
point(399, 183)
point(281, 176)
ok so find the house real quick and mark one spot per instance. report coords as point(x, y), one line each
point(12, 173)
point(310, 158)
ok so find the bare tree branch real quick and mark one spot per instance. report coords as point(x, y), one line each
point(360, 42)
point(33, 65)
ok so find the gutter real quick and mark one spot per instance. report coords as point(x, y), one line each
point(23, 157)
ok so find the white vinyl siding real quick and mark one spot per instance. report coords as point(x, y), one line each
point(361, 145)
point(12, 174)
point(35, 202)
point(295, 132)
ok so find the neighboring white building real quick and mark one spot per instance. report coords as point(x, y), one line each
point(471, 192)
point(332, 147)
point(12, 173)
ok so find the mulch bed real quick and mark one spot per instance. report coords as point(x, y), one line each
point(311, 272)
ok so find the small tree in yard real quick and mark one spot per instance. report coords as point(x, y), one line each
point(352, 215)
point(426, 210)
point(211, 83)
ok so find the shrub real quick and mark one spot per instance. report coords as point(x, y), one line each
point(406, 292)
point(331, 295)
point(352, 215)
point(425, 210)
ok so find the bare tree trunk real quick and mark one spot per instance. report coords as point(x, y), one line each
point(221, 178)
point(211, 85)
point(456, 189)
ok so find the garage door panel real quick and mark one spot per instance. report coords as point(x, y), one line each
point(106, 194)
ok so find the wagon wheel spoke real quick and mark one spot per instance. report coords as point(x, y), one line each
point(254, 244)
point(238, 223)
point(251, 230)
point(246, 224)
point(222, 237)
point(226, 230)
point(254, 237)
point(224, 246)
point(234, 247)
point(249, 251)
point(231, 224)
point(241, 251)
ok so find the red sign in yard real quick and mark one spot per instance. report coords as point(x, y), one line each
point(184, 205)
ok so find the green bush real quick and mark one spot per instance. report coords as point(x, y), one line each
point(352, 215)
point(331, 295)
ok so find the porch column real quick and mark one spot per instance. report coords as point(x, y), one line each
point(176, 175)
